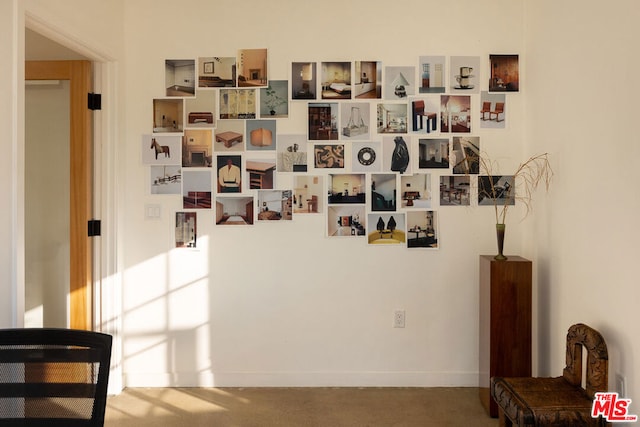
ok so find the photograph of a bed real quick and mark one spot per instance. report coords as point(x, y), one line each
point(336, 80)
point(337, 90)
point(234, 211)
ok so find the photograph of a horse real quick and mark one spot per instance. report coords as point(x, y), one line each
point(160, 149)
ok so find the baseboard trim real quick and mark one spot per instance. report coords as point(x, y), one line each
point(303, 379)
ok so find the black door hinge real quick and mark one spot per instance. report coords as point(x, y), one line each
point(94, 227)
point(94, 101)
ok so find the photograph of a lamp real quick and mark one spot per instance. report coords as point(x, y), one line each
point(306, 73)
point(399, 83)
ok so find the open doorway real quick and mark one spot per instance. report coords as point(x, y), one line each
point(58, 186)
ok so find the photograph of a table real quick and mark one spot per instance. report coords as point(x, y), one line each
point(229, 138)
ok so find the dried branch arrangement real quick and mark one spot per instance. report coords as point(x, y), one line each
point(528, 176)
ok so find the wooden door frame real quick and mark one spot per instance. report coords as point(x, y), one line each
point(79, 74)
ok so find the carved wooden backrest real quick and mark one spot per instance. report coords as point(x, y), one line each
point(580, 336)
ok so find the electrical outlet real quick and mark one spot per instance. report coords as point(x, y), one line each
point(398, 319)
point(621, 385)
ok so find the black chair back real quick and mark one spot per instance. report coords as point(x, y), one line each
point(53, 377)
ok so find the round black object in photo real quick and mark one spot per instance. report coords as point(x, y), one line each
point(366, 156)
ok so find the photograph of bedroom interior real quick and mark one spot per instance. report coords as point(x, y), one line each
point(216, 71)
point(422, 229)
point(307, 194)
point(368, 80)
point(455, 113)
point(386, 229)
point(275, 205)
point(346, 188)
point(383, 192)
point(416, 190)
point(346, 221)
point(234, 210)
point(252, 67)
point(433, 153)
point(180, 77)
point(336, 80)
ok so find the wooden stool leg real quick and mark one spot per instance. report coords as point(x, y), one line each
point(503, 420)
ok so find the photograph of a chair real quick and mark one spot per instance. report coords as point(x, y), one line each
point(308, 193)
point(486, 108)
point(455, 190)
point(493, 111)
point(423, 120)
point(497, 112)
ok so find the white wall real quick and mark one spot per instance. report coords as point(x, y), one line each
point(279, 303)
point(580, 108)
point(284, 305)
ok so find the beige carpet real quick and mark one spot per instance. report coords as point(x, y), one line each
point(299, 407)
